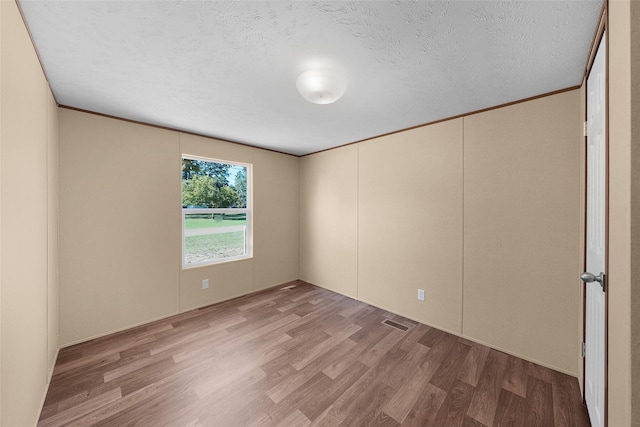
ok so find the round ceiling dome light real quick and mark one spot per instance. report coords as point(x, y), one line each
point(321, 86)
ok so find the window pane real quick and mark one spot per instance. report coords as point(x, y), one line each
point(212, 236)
point(208, 220)
point(219, 227)
point(213, 246)
point(213, 184)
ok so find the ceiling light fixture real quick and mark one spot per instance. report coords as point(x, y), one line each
point(321, 86)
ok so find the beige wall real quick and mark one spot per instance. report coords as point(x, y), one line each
point(329, 219)
point(522, 229)
point(29, 336)
point(410, 223)
point(635, 210)
point(1, 135)
point(517, 189)
point(276, 218)
point(120, 225)
point(624, 214)
point(275, 226)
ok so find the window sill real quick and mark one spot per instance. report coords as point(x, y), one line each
point(217, 262)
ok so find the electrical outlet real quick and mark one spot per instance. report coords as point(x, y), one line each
point(205, 284)
point(420, 294)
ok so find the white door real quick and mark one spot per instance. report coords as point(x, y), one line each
point(595, 277)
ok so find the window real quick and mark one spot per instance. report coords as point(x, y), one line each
point(216, 211)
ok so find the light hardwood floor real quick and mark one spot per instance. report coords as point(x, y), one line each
point(300, 355)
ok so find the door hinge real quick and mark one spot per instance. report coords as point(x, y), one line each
point(584, 129)
point(584, 350)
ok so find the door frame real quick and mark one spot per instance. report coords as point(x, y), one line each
point(601, 32)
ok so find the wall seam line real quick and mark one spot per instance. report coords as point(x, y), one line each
point(462, 238)
point(47, 240)
point(358, 221)
point(181, 231)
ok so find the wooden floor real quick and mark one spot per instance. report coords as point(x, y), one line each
point(297, 356)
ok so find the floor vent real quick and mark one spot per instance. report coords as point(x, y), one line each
point(395, 325)
point(288, 287)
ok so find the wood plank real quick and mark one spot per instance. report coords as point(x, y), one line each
point(381, 348)
point(279, 411)
point(133, 399)
point(539, 405)
point(473, 364)
point(485, 399)
point(81, 409)
point(450, 367)
point(515, 379)
point(300, 355)
point(418, 367)
point(568, 408)
point(296, 418)
point(367, 409)
point(510, 410)
point(426, 407)
point(454, 408)
point(364, 342)
point(293, 346)
point(322, 400)
point(293, 382)
point(221, 407)
point(335, 339)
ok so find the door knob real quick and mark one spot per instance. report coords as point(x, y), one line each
point(590, 277)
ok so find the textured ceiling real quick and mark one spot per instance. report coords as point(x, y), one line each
point(228, 69)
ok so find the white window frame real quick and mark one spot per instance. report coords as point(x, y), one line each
point(248, 239)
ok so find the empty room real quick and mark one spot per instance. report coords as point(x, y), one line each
point(319, 213)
